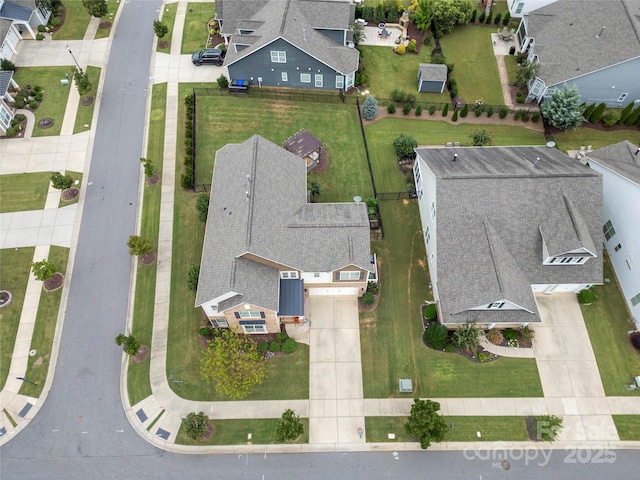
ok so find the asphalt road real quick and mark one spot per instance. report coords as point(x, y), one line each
point(82, 433)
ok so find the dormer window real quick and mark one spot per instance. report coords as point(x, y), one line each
point(567, 261)
point(495, 305)
point(293, 274)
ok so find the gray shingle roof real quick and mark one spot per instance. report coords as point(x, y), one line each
point(567, 40)
point(5, 80)
point(492, 203)
point(433, 72)
point(20, 10)
point(274, 223)
point(297, 22)
point(623, 158)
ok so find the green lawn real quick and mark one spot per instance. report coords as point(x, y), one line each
point(387, 71)
point(195, 34)
point(574, 139)
point(168, 18)
point(138, 383)
point(511, 62)
point(14, 275)
point(336, 125)
point(108, 18)
point(76, 21)
point(85, 114)
point(55, 97)
point(476, 70)
point(77, 177)
point(380, 136)
point(390, 337)
point(23, 191)
point(461, 429)
point(235, 432)
point(608, 322)
point(628, 426)
point(44, 331)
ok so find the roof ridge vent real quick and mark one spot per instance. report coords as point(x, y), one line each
point(601, 32)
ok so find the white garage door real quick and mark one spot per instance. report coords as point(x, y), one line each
point(334, 291)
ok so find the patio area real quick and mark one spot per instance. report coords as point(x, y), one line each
point(373, 36)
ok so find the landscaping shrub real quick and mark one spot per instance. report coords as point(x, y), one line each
point(453, 88)
point(275, 346)
point(428, 36)
point(193, 275)
point(403, 146)
point(436, 335)
point(19, 102)
point(61, 182)
point(369, 108)
point(368, 298)
point(509, 334)
point(195, 425)
point(7, 64)
point(587, 112)
point(547, 427)
point(474, 14)
point(372, 287)
point(482, 357)
point(445, 110)
point(633, 117)
point(535, 116)
point(289, 346)
point(587, 296)
point(481, 18)
point(503, 112)
point(400, 50)
point(418, 110)
point(449, 348)
point(610, 118)
point(56, 21)
point(39, 36)
point(489, 18)
point(465, 110)
point(430, 311)
point(527, 332)
point(596, 116)
point(130, 344)
point(411, 99)
point(406, 109)
point(432, 109)
point(497, 19)
point(438, 58)
point(289, 428)
point(454, 117)
point(38, 96)
point(495, 336)
point(506, 19)
point(412, 46)
point(33, 105)
point(398, 95)
point(186, 179)
point(478, 109)
point(624, 114)
point(204, 331)
point(281, 336)
point(489, 111)
point(519, 97)
point(263, 346)
point(361, 78)
point(222, 81)
point(42, 28)
point(391, 108)
point(467, 337)
point(11, 132)
point(525, 116)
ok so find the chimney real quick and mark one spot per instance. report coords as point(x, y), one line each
point(601, 32)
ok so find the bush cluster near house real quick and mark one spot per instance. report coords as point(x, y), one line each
point(283, 343)
point(187, 179)
point(29, 98)
point(195, 425)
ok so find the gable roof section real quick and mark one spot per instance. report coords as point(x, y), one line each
point(258, 209)
point(15, 11)
point(623, 158)
point(5, 80)
point(491, 203)
point(295, 21)
point(569, 40)
point(565, 230)
point(433, 72)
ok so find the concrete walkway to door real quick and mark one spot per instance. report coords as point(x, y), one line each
point(336, 406)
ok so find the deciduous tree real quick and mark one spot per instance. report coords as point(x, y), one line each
point(160, 28)
point(130, 344)
point(290, 426)
point(96, 8)
point(403, 145)
point(81, 79)
point(61, 182)
point(195, 425)
point(425, 423)
point(423, 15)
point(138, 245)
point(449, 13)
point(43, 270)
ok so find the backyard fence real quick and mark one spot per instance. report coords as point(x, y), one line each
point(407, 195)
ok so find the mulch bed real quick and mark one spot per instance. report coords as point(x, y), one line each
point(209, 431)
point(148, 258)
point(62, 13)
point(153, 179)
point(164, 44)
point(370, 308)
point(86, 101)
point(104, 25)
point(5, 298)
point(46, 123)
point(634, 338)
point(54, 283)
point(530, 422)
point(142, 354)
point(323, 163)
point(216, 40)
point(70, 194)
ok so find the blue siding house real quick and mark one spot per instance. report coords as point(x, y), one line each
point(585, 43)
point(289, 43)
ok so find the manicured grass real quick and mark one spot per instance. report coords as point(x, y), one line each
point(44, 331)
point(23, 191)
point(14, 275)
point(511, 63)
point(168, 18)
point(77, 177)
point(234, 432)
point(628, 426)
point(85, 114)
point(387, 71)
point(109, 17)
point(390, 336)
point(574, 139)
point(336, 125)
point(55, 97)
point(76, 21)
point(138, 383)
point(380, 136)
point(476, 70)
point(461, 429)
point(195, 34)
point(608, 322)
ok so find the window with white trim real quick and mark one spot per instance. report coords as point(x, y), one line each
point(520, 7)
point(416, 173)
point(495, 305)
point(622, 97)
point(617, 247)
point(219, 322)
point(635, 300)
point(339, 82)
point(316, 274)
point(305, 78)
point(568, 260)
point(278, 56)
point(285, 76)
point(289, 274)
point(420, 194)
point(433, 210)
point(318, 81)
point(5, 116)
point(349, 275)
point(253, 326)
point(250, 314)
point(608, 230)
point(427, 235)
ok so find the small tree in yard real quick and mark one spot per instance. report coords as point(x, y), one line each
point(43, 270)
point(192, 278)
point(369, 108)
point(290, 426)
point(148, 166)
point(481, 137)
point(130, 344)
point(425, 423)
point(526, 72)
point(96, 8)
point(160, 28)
point(61, 182)
point(403, 145)
point(423, 15)
point(195, 425)
point(314, 189)
point(138, 245)
point(547, 427)
point(222, 81)
point(202, 206)
point(234, 363)
point(563, 109)
point(81, 79)
point(436, 336)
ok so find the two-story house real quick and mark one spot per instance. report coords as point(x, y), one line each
point(266, 247)
point(7, 110)
point(619, 165)
point(17, 19)
point(518, 8)
point(590, 44)
point(501, 224)
point(290, 43)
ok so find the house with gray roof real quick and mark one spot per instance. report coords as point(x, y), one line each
point(7, 110)
point(502, 224)
point(266, 247)
point(590, 44)
point(519, 8)
point(289, 43)
point(619, 165)
point(19, 19)
point(432, 77)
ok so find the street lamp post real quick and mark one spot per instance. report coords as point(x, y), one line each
point(25, 380)
point(74, 58)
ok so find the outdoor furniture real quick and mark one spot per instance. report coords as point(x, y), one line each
point(505, 34)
